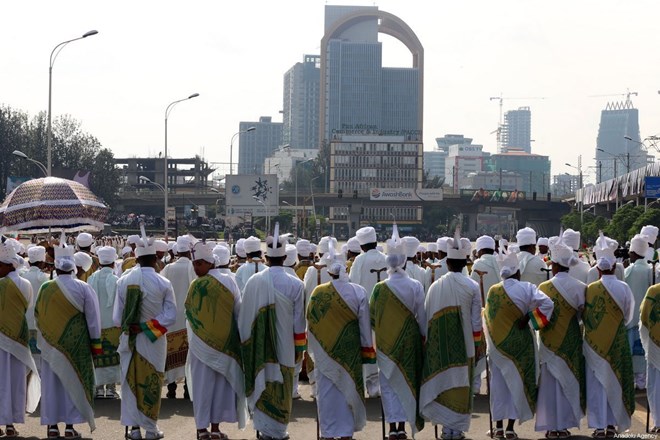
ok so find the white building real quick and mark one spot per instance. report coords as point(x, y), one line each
point(490, 180)
point(282, 161)
point(462, 161)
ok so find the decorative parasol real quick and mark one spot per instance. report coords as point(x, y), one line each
point(38, 205)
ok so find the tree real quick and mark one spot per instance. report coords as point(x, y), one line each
point(650, 217)
point(622, 221)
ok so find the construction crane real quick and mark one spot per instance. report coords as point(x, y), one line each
point(500, 124)
point(628, 94)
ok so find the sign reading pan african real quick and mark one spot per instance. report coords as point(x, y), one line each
point(403, 194)
point(257, 194)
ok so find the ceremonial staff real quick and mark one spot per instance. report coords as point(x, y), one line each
point(483, 304)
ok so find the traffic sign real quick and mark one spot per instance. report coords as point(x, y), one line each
point(652, 187)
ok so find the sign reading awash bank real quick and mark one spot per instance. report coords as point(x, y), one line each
point(403, 194)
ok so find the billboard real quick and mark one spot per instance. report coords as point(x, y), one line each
point(652, 187)
point(403, 194)
point(256, 194)
point(493, 195)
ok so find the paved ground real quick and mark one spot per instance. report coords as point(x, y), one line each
point(177, 422)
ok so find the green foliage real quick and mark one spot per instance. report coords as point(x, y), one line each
point(650, 217)
point(588, 224)
point(622, 221)
point(72, 149)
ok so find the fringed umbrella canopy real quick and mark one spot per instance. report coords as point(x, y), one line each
point(38, 205)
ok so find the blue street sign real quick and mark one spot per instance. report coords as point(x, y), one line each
point(652, 187)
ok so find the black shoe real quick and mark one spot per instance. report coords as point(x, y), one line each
point(171, 395)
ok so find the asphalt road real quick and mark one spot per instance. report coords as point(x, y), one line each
point(176, 420)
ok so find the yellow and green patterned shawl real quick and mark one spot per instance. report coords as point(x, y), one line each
point(13, 306)
point(210, 312)
point(142, 377)
point(502, 317)
point(337, 330)
point(650, 313)
point(257, 351)
point(128, 263)
point(605, 332)
point(563, 336)
point(445, 349)
point(109, 345)
point(65, 328)
point(398, 337)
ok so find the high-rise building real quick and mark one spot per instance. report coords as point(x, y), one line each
point(533, 168)
point(258, 144)
point(517, 130)
point(619, 149)
point(451, 139)
point(434, 163)
point(301, 104)
point(358, 94)
point(463, 160)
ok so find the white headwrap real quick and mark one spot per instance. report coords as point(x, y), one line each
point(106, 254)
point(83, 260)
point(651, 232)
point(485, 242)
point(639, 245)
point(508, 262)
point(240, 248)
point(64, 256)
point(221, 254)
point(366, 235)
point(458, 248)
point(526, 236)
point(571, 239)
point(203, 251)
point(561, 253)
point(7, 252)
point(276, 245)
point(37, 254)
point(291, 255)
point(396, 255)
point(605, 253)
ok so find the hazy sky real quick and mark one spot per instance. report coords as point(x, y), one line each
point(234, 54)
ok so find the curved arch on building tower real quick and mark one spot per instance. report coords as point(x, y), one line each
point(388, 24)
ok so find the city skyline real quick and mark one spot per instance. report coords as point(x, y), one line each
point(118, 83)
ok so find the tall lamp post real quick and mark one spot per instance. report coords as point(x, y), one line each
point(295, 175)
point(53, 55)
point(579, 168)
point(36, 162)
point(267, 213)
point(168, 109)
point(231, 147)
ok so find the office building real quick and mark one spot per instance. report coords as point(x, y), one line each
point(533, 168)
point(463, 160)
point(517, 130)
point(434, 164)
point(282, 161)
point(300, 110)
point(257, 145)
point(451, 139)
point(615, 154)
point(565, 185)
point(359, 95)
point(492, 180)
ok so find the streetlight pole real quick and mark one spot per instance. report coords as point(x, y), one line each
point(168, 109)
point(267, 213)
point(231, 147)
point(579, 168)
point(295, 169)
point(36, 162)
point(53, 55)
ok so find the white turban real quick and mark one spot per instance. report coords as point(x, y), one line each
point(508, 263)
point(526, 236)
point(354, 245)
point(203, 251)
point(458, 248)
point(240, 248)
point(84, 240)
point(106, 254)
point(485, 242)
point(651, 232)
point(366, 235)
point(410, 245)
point(183, 244)
point(291, 255)
point(8, 253)
point(542, 241)
point(324, 244)
point(571, 239)
point(126, 250)
point(303, 247)
point(83, 260)
point(160, 246)
point(221, 254)
point(563, 255)
point(432, 247)
point(132, 239)
point(639, 245)
point(252, 244)
point(442, 244)
point(37, 254)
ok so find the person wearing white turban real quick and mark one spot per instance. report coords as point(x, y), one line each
point(608, 308)
point(639, 277)
point(21, 389)
point(104, 283)
point(542, 246)
point(83, 263)
point(651, 232)
point(439, 268)
point(180, 274)
point(222, 259)
point(453, 298)
point(254, 263)
point(341, 409)
point(610, 245)
point(318, 273)
point(275, 296)
point(143, 330)
point(579, 271)
point(303, 248)
point(532, 268)
point(369, 268)
point(66, 397)
point(510, 307)
point(84, 241)
point(214, 376)
point(558, 406)
point(397, 304)
point(353, 250)
point(432, 250)
point(161, 251)
point(414, 271)
point(37, 277)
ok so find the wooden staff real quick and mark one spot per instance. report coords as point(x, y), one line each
point(433, 268)
point(378, 272)
point(481, 274)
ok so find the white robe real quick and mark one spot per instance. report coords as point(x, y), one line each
point(215, 380)
point(340, 409)
point(63, 396)
point(273, 286)
point(639, 277)
point(246, 270)
point(417, 273)
point(180, 274)
point(558, 402)
point(652, 374)
point(16, 363)
point(532, 268)
point(361, 274)
point(580, 271)
point(158, 303)
point(104, 283)
point(604, 401)
point(593, 274)
point(453, 289)
point(507, 395)
point(398, 401)
point(36, 278)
